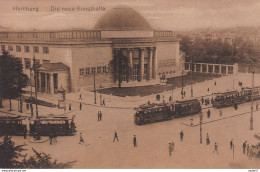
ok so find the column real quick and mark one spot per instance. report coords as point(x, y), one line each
point(213, 68)
point(40, 83)
point(226, 70)
point(46, 83)
point(201, 69)
point(142, 65)
point(207, 68)
point(220, 69)
point(154, 63)
point(131, 62)
point(51, 84)
point(150, 74)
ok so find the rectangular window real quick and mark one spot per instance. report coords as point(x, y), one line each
point(2, 47)
point(45, 50)
point(87, 71)
point(27, 63)
point(36, 49)
point(18, 48)
point(93, 69)
point(81, 71)
point(104, 69)
point(10, 48)
point(26, 49)
point(45, 61)
point(99, 69)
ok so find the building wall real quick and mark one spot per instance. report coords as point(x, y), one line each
point(89, 56)
point(167, 55)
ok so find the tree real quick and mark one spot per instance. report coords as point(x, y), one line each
point(11, 157)
point(119, 68)
point(12, 78)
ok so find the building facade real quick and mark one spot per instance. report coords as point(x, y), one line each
point(72, 58)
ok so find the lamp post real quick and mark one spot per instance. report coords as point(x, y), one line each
point(95, 98)
point(182, 84)
point(100, 95)
point(191, 78)
point(252, 100)
point(201, 118)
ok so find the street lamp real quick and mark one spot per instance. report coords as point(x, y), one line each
point(100, 95)
point(95, 98)
point(201, 118)
point(191, 78)
point(252, 100)
point(182, 84)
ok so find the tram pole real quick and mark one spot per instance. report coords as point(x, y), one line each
point(95, 96)
point(252, 103)
point(201, 117)
point(191, 78)
point(182, 84)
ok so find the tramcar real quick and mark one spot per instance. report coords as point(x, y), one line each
point(56, 125)
point(186, 107)
point(229, 98)
point(12, 125)
point(150, 113)
point(248, 93)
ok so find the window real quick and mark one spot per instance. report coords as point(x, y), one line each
point(87, 71)
point(99, 69)
point(26, 49)
point(27, 63)
point(36, 49)
point(104, 69)
point(45, 61)
point(18, 48)
point(93, 69)
point(10, 48)
point(37, 61)
point(81, 71)
point(45, 50)
point(2, 47)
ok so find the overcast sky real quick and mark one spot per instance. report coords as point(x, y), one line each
point(161, 14)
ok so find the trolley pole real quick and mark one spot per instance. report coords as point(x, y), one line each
point(182, 84)
point(95, 96)
point(201, 118)
point(252, 103)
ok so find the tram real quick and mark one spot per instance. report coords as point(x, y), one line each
point(12, 125)
point(229, 98)
point(150, 113)
point(56, 125)
point(248, 93)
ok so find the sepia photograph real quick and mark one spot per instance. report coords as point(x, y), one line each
point(129, 84)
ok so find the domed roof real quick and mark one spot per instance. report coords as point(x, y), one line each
point(122, 18)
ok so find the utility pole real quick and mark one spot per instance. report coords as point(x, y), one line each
point(35, 82)
point(201, 118)
point(182, 84)
point(252, 101)
point(95, 98)
point(100, 95)
point(191, 78)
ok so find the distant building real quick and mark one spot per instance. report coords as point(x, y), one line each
point(71, 58)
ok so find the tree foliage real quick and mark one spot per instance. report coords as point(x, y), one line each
point(217, 51)
point(119, 68)
point(11, 157)
point(12, 78)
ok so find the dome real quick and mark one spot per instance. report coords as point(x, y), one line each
point(122, 18)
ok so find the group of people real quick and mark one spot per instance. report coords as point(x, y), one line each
point(247, 149)
point(207, 101)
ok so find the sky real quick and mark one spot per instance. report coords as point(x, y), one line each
point(176, 15)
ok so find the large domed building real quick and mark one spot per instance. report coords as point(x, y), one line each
point(71, 58)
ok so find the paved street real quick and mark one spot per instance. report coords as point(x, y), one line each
point(99, 150)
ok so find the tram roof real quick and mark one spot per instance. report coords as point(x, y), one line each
point(250, 88)
point(227, 92)
point(51, 118)
point(186, 100)
point(150, 106)
point(12, 117)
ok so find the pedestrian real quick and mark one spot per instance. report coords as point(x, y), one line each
point(208, 89)
point(170, 98)
point(181, 135)
point(25, 134)
point(215, 148)
point(235, 106)
point(148, 102)
point(212, 100)
point(80, 97)
point(115, 137)
point(70, 107)
point(256, 105)
point(207, 139)
point(215, 83)
point(170, 148)
point(98, 114)
point(104, 102)
point(81, 140)
point(50, 138)
point(100, 117)
point(247, 149)
point(191, 120)
point(27, 107)
point(202, 100)
point(80, 106)
point(220, 113)
point(184, 93)
point(208, 113)
point(250, 153)
point(134, 141)
point(244, 147)
point(231, 144)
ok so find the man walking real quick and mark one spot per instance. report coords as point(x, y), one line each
point(80, 106)
point(80, 97)
point(181, 135)
point(207, 139)
point(70, 107)
point(98, 114)
point(170, 148)
point(191, 120)
point(215, 148)
point(231, 144)
point(115, 137)
point(81, 140)
point(244, 147)
point(208, 113)
point(134, 141)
